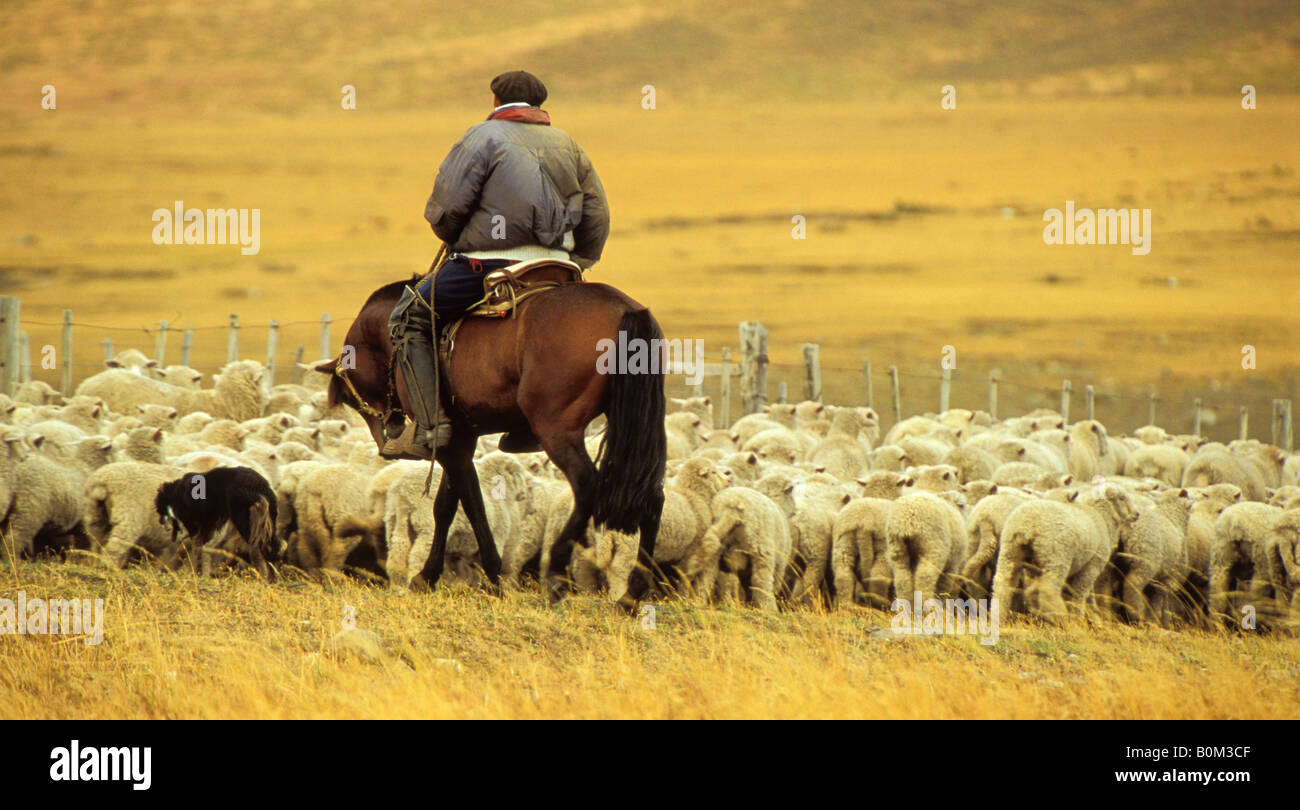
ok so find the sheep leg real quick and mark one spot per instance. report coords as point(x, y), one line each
point(23, 528)
point(1219, 591)
point(763, 581)
point(1050, 584)
point(844, 554)
point(117, 548)
point(878, 580)
point(926, 578)
point(1135, 583)
point(985, 553)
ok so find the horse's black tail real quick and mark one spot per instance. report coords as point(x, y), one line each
point(634, 451)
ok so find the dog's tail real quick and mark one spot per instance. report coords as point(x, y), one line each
point(261, 528)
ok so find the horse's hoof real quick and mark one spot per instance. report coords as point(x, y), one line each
point(627, 605)
point(555, 592)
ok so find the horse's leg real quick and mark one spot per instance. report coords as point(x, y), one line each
point(640, 581)
point(569, 453)
point(457, 460)
point(444, 511)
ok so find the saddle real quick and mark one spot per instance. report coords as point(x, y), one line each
point(504, 290)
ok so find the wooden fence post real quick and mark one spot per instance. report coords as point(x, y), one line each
point(1088, 394)
point(232, 339)
point(725, 393)
point(780, 392)
point(1196, 417)
point(296, 375)
point(66, 382)
point(272, 340)
point(9, 311)
point(160, 349)
point(187, 345)
point(1279, 414)
point(324, 336)
point(1286, 425)
point(993, 394)
point(1151, 407)
point(1065, 401)
point(108, 349)
point(897, 396)
point(866, 374)
point(1244, 417)
point(25, 357)
point(812, 372)
point(753, 366)
point(945, 389)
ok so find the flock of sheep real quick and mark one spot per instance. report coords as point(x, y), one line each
point(798, 504)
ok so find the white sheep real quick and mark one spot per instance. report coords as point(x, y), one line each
point(1067, 544)
point(925, 543)
point(1163, 462)
point(237, 393)
point(1241, 536)
point(749, 536)
point(1211, 466)
point(984, 527)
point(119, 512)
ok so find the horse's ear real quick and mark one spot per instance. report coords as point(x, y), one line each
point(324, 367)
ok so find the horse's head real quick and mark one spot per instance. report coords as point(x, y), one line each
point(360, 375)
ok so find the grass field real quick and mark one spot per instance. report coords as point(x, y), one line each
point(178, 647)
point(923, 231)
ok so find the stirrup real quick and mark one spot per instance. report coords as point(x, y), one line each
point(415, 442)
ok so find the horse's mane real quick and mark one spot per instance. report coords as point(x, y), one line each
point(391, 288)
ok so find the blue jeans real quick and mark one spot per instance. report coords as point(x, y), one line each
point(460, 284)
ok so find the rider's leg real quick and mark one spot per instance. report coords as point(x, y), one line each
point(411, 328)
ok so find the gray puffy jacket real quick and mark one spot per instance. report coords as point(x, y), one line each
point(533, 175)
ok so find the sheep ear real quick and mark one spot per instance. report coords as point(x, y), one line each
point(993, 490)
point(1067, 480)
point(1183, 493)
point(112, 364)
point(37, 440)
point(151, 364)
point(862, 482)
point(139, 409)
point(157, 435)
point(197, 376)
point(751, 459)
point(708, 402)
point(1070, 496)
point(104, 444)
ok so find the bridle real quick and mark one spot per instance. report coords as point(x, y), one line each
point(360, 403)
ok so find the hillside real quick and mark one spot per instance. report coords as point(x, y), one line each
point(293, 57)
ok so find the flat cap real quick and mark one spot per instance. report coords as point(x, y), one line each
point(519, 85)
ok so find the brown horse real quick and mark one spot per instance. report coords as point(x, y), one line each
point(532, 375)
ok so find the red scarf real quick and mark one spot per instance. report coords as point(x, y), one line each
point(524, 115)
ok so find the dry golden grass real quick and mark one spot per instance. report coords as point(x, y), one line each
point(181, 647)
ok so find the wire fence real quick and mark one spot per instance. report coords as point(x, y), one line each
point(63, 353)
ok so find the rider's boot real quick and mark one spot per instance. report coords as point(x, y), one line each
point(411, 328)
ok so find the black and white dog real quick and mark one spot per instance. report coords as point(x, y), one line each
point(206, 502)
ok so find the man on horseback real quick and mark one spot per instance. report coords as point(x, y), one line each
point(513, 188)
